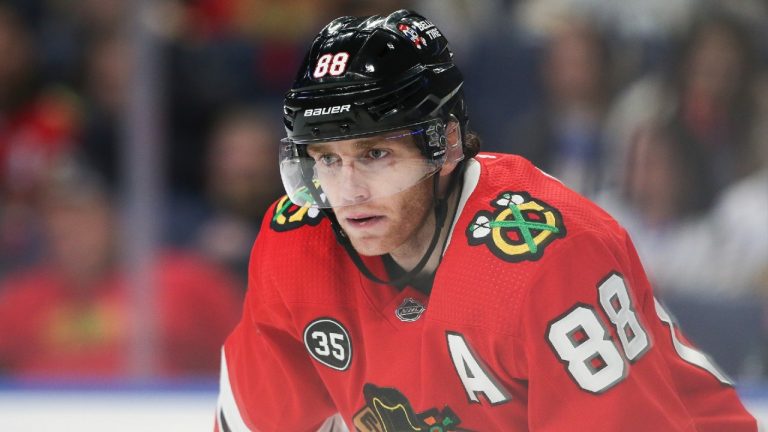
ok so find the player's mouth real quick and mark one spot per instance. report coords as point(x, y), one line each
point(363, 221)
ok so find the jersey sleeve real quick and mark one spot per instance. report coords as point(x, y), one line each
point(601, 357)
point(267, 381)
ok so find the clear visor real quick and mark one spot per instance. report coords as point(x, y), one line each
point(335, 174)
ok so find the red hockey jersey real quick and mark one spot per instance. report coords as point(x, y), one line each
point(540, 318)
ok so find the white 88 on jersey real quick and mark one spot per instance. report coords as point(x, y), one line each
point(615, 301)
point(584, 344)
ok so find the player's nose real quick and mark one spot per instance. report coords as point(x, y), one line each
point(354, 185)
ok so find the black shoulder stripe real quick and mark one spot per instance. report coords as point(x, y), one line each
point(223, 421)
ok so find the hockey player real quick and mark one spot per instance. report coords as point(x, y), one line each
point(408, 283)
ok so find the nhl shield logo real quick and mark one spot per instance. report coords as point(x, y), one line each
point(409, 310)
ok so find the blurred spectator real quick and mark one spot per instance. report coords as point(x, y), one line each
point(20, 237)
point(257, 18)
point(710, 93)
point(17, 71)
point(634, 19)
point(736, 257)
point(563, 134)
point(105, 81)
point(664, 180)
point(38, 124)
point(242, 180)
point(687, 248)
point(69, 315)
point(653, 199)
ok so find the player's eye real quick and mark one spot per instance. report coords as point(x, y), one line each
point(377, 153)
point(328, 159)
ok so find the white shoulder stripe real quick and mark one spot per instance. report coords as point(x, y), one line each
point(227, 406)
point(470, 180)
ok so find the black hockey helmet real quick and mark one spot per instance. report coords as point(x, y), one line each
point(367, 76)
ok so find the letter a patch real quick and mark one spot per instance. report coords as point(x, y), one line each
point(472, 373)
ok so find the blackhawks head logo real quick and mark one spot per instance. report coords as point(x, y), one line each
point(518, 229)
point(388, 410)
point(289, 216)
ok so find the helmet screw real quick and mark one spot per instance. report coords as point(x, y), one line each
point(344, 127)
point(315, 131)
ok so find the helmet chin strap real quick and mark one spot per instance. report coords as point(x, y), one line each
point(441, 210)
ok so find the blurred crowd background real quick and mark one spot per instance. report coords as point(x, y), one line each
point(138, 152)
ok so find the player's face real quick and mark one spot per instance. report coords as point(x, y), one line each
point(354, 171)
point(376, 220)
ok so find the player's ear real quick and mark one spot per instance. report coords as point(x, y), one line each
point(454, 150)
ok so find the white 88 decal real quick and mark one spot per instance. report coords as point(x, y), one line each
point(333, 64)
